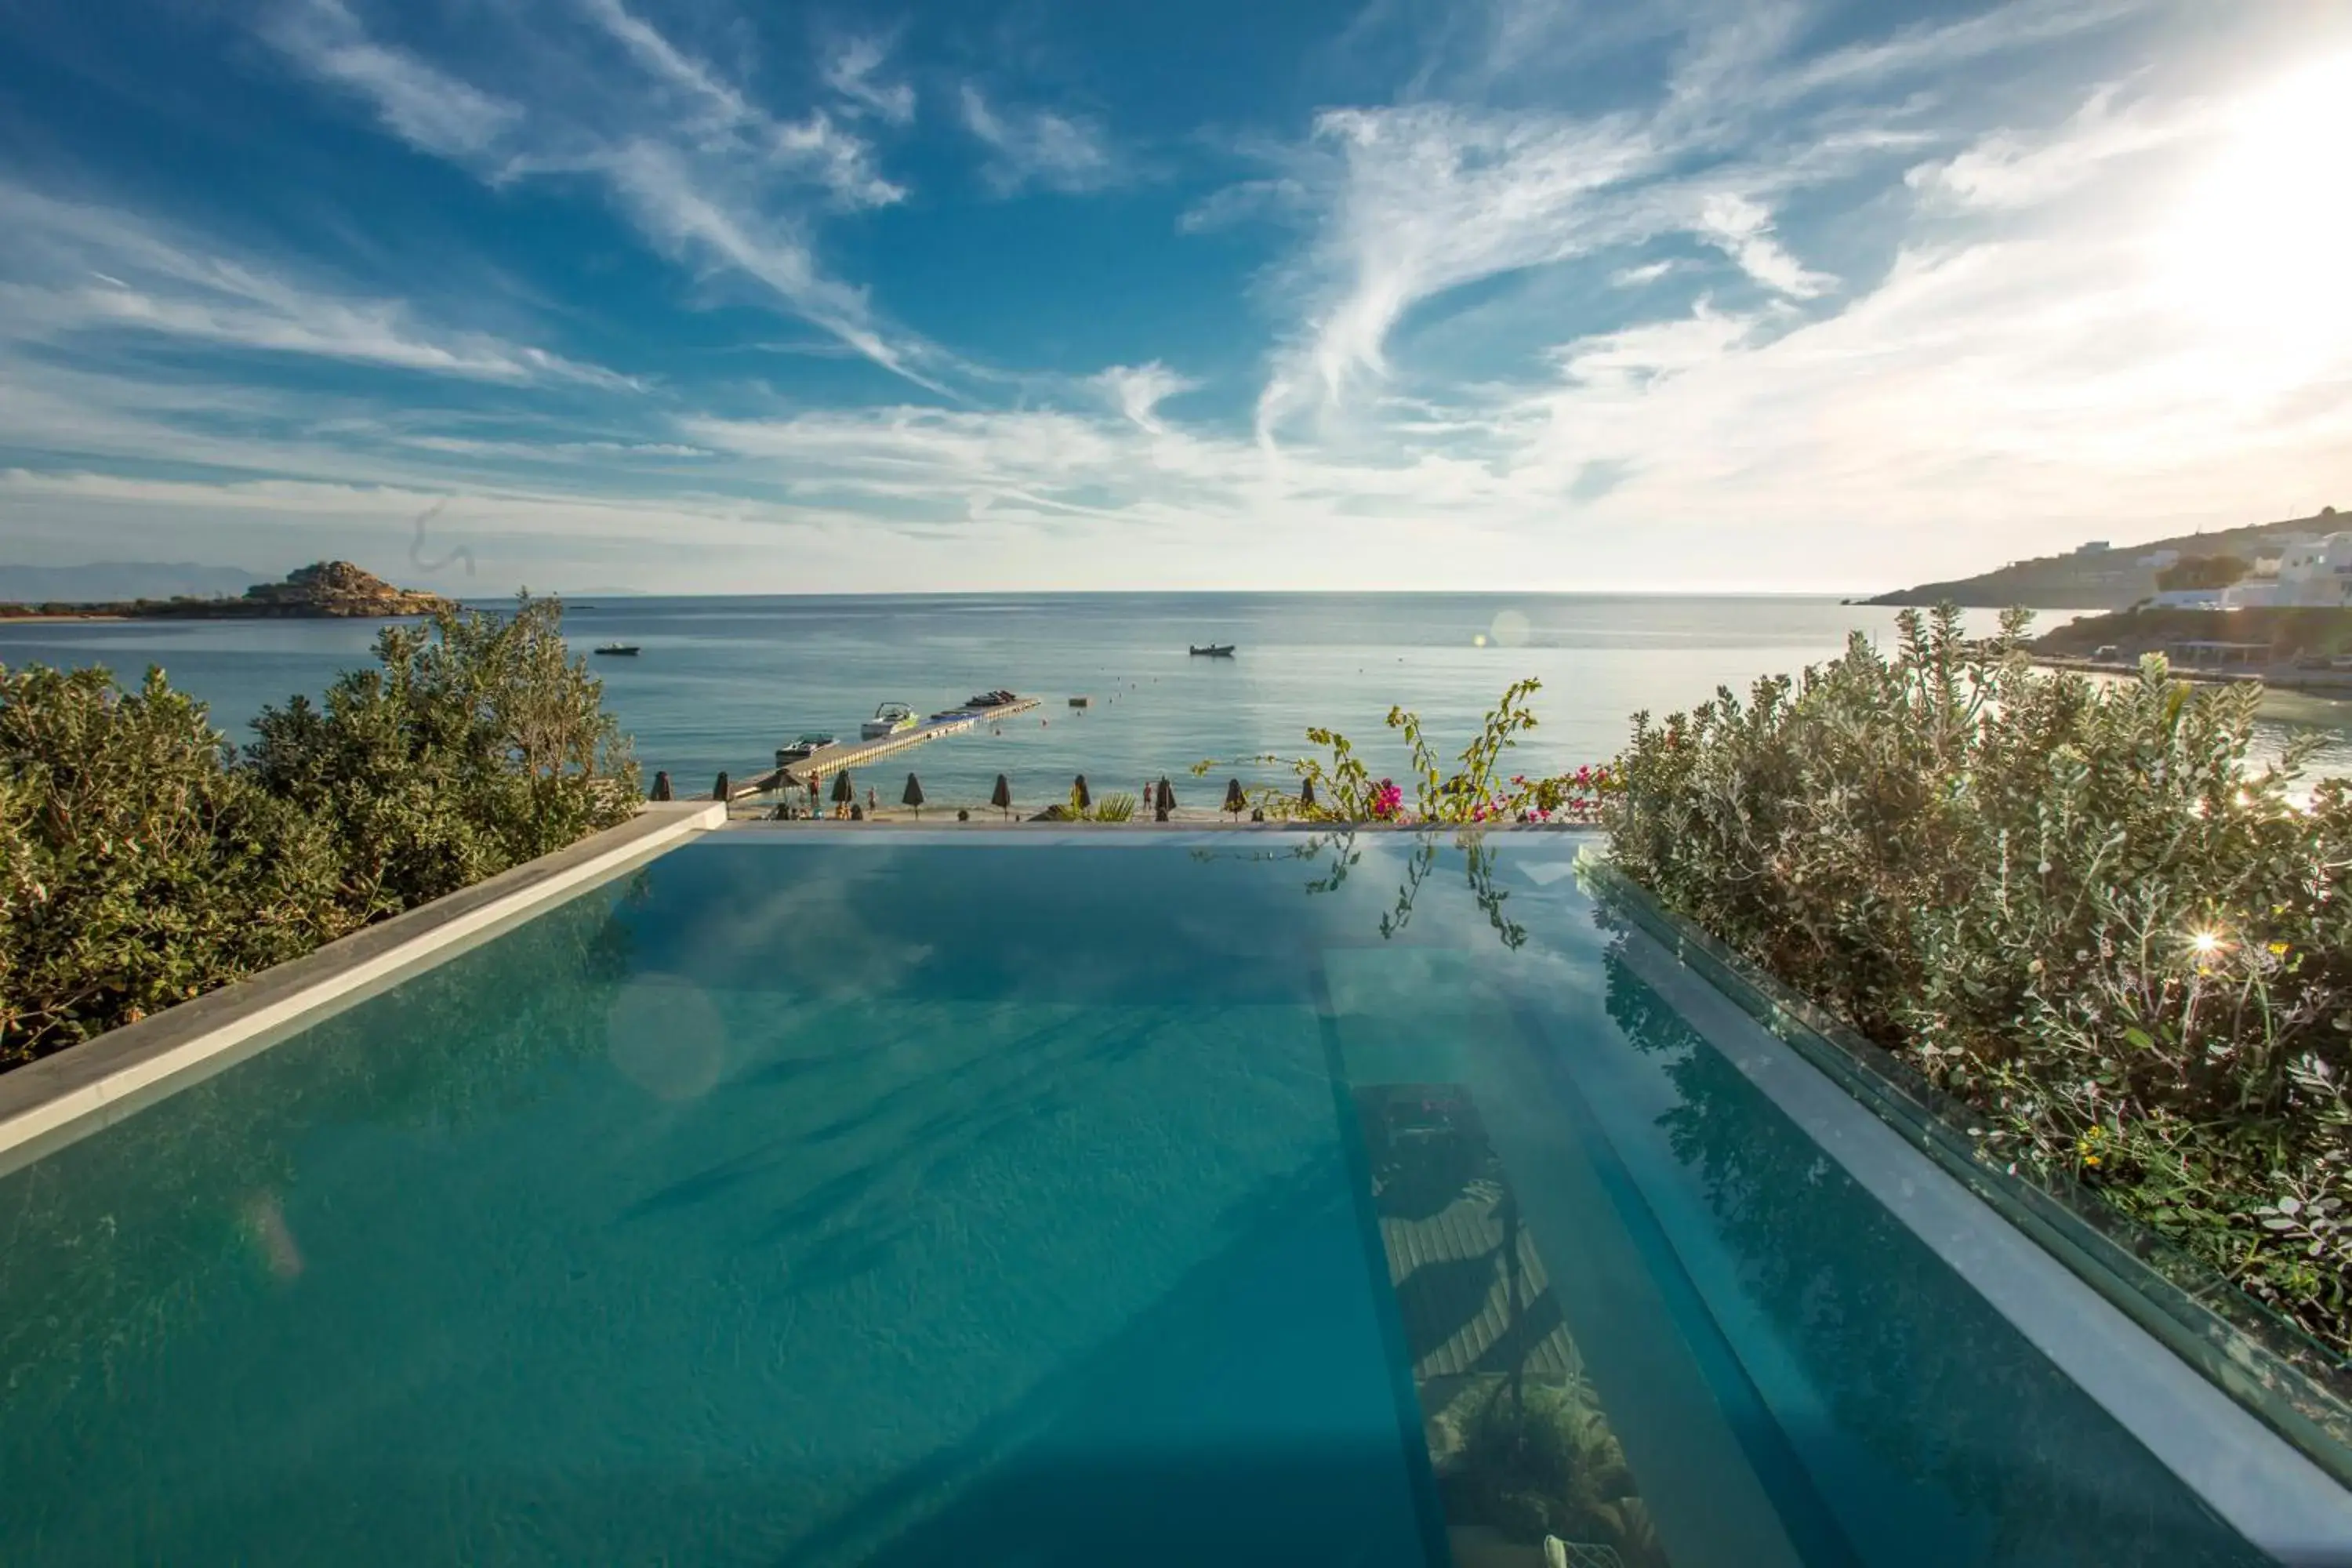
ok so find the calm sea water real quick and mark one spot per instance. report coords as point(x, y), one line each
point(722, 682)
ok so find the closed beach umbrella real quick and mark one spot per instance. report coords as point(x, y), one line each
point(1078, 795)
point(1307, 793)
point(1233, 800)
point(1003, 797)
point(661, 785)
point(1165, 799)
point(722, 790)
point(913, 799)
point(843, 793)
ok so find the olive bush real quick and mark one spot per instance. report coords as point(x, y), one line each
point(2077, 905)
point(477, 743)
point(143, 861)
point(137, 867)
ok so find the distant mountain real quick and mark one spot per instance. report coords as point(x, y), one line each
point(2105, 578)
point(117, 580)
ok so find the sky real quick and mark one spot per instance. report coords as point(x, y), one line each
point(734, 295)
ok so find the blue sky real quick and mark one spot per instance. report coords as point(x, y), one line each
point(717, 295)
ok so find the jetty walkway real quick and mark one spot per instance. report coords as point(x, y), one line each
point(844, 754)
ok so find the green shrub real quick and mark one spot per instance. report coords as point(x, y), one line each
point(478, 744)
point(137, 867)
point(2077, 905)
point(142, 863)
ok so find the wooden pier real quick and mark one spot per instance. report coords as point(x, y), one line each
point(845, 755)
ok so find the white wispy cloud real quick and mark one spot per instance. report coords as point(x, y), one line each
point(1929, 50)
point(727, 123)
point(1138, 391)
point(1742, 230)
point(1406, 203)
point(852, 70)
point(705, 173)
point(80, 271)
point(1643, 276)
point(419, 102)
point(1423, 199)
point(2010, 169)
point(1034, 147)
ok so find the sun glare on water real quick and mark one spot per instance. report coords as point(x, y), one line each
point(2259, 243)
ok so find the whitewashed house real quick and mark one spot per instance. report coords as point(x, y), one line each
point(2316, 572)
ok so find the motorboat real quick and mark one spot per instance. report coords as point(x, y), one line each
point(619, 650)
point(997, 698)
point(890, 719)
point(1214, 650)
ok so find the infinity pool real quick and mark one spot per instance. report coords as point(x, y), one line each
point(804, 1199)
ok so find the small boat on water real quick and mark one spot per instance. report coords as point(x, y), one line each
point(619, 650)
point(1215, 650)
point(890, 719)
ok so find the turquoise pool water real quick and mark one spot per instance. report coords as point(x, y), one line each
point(1142, 1201)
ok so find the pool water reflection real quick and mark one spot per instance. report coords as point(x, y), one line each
point(1141, 1200)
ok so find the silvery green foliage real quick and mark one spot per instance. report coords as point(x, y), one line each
point(137, 867)
point(142, 863)
point(2077, 905)
point(475, 743)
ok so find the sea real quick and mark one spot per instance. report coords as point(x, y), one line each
point(722, 682)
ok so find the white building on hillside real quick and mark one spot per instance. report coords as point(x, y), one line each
point(2158, 560)
point(2316, 572)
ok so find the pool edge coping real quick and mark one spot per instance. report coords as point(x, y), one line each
point(2262, 1486)
point(2265, 1478)
point(84, 1081)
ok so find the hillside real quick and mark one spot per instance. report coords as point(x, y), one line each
point(2246, 637)
point(324, 590)
point(2102, 580)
